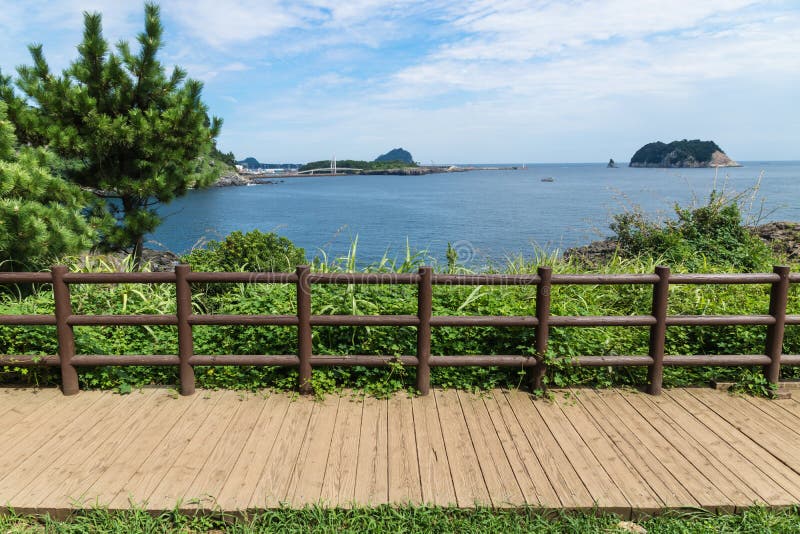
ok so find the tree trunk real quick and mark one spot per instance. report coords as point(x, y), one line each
point(137, 253)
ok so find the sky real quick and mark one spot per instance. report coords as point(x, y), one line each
point(459, 81)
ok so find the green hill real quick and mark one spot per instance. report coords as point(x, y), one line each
point(397, 154)
point(250, 163)
point(694, 153)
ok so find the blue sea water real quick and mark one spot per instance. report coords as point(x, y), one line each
point(486, 215)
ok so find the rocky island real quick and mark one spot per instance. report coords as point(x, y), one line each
point(694, 153)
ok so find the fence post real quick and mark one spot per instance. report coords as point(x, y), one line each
point(183, 294)
point(424, 312)
point(66, 337)
point(658, 332)
point(304, 343)
point(543, 326)
point(778, 298)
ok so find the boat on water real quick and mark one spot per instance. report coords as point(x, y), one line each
point(548, 179)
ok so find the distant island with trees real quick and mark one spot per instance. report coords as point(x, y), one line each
point(694, 153)
point(394, 159)
point(397, 155)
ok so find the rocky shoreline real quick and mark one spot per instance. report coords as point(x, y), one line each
point(232, 178)
point(235, 179)
point(782, 236)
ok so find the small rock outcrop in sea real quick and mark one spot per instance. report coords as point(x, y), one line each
point(611, 164)
point(694, 153)
point(232, 178)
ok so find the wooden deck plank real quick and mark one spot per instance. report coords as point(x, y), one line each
point(372, 472)
point(569, 487)
point(737, 467)
point(26, 459)
point(305, 486)
point(36, 428)
point(776, 472)
point(635, 454)
point(18, 403)
point(600, 485)
point(498, 474)
point(273, 481)
point(528, 471)
point(172, 490)
point(238, 488)
point(685, 448)
point(209, 481)
point(118, 463)
point(434, 469)
point(147, 476)
point(637, 492)
point(68, 473)
point(405, 484)
point(712, 468)
point(791, 406)
point(465, 469)
point(699, 486)
point(777, 414)
point(751, 422)
point(339, 485)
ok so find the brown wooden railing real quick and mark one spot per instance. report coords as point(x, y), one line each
point(64, 320)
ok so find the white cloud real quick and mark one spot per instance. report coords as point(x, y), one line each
point(558, 51)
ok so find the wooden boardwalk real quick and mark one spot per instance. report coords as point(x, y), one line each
point(620, 451)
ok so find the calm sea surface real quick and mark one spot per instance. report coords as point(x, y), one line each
point(487, 215)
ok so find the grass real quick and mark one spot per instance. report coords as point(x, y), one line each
point(406, 519)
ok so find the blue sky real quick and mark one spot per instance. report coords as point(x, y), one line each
point(465, 81)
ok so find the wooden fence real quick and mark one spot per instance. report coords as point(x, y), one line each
point(64, 320)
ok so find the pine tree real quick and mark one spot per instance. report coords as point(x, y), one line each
point(140, 137)
point(40, 214)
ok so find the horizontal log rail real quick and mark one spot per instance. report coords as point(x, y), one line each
point(541, 321)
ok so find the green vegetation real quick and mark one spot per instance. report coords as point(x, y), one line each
point(226, 158)
point(133, 134)
point(357, 164)
point(675, 154)
point(396, 155)
point(253, 251)
point(711, 235)
point(421, 519)
point(40, 214)
point(690, 237)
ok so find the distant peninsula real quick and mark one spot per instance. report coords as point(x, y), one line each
point(694, 153)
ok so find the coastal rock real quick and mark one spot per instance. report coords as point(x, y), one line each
point(232, 178)
point(782, 236)
point(159, 260)
point(595, 253)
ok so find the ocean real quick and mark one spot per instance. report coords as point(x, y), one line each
point(486, 215)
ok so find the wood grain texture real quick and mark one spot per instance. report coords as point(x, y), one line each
point(611, 450)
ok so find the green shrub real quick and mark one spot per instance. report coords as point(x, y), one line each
point(253, 251)
point(711, 235)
